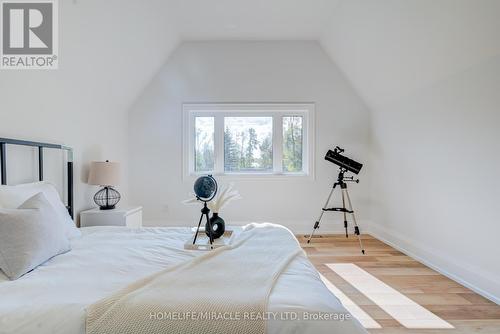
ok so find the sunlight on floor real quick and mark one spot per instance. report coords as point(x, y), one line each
point(355, 310)
point(397, 305)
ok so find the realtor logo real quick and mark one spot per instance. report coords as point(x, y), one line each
point(29, 34)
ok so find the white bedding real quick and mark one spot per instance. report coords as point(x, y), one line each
point(53, 297)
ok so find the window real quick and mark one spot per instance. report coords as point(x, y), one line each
point(248, 139)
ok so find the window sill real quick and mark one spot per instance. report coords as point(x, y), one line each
point(254, 176)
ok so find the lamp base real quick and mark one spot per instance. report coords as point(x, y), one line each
point(109, 207)
point(107, 198)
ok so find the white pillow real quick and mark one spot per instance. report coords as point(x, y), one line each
point(29, 236)
point(12, 197)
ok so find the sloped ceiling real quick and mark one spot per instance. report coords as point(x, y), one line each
point(113, 48)
point(252, 19)
point(109, 50)
point(390, 49)
point(387, 48)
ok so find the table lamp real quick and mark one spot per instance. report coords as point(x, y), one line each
point(105, 174)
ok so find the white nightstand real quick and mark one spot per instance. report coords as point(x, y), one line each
point(128, 216)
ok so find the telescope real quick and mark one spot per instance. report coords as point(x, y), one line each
point(346, 165)
point(342, 161)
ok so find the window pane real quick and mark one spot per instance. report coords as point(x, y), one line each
point(248, 144)
point(292, 144)
point(204, 144)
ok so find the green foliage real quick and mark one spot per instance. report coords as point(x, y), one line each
point(204, 155)
point(266, 156)
point(231, 152)
point(240, 151)
point(292, 144)
point(251, 146)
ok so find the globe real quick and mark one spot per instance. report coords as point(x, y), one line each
point(205, 188)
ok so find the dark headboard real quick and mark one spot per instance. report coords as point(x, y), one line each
point(41, 146)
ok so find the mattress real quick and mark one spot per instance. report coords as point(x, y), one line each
point(53, 297)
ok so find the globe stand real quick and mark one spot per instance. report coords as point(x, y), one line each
point(204, 212)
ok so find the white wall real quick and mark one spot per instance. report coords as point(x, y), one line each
point(244, 72)
point(83, 104)
point(430, 72)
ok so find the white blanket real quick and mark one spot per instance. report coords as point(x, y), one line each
point(224, 291)
point(53, 297)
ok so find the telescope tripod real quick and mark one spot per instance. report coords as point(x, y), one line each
point(341, 182)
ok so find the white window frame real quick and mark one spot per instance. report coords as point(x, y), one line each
point(276, 110)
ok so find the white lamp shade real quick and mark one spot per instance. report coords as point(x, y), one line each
point(104, 173)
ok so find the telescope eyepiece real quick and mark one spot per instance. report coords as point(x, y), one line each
point(337, 149)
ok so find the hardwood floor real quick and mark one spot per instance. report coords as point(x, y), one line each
point(467, 311)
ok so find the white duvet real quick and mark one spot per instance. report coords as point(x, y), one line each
point(53, 297)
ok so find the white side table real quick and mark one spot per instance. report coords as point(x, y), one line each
point(127, 216)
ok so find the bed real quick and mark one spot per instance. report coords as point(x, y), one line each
point(56, 295)
point(53, 297)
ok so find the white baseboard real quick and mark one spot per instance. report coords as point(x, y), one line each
point(297, 227)
point(462, 273)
